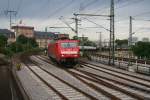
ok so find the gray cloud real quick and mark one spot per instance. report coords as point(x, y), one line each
point(45, 12)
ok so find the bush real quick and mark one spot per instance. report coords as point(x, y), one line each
point(3, 41)
point(8, 52)
point(22, 45)
point(16, 47)
point(142, 49)
point(29, 42)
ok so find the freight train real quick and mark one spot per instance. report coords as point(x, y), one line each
point(63, 50)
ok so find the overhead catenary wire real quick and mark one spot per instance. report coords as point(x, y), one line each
point(8, 5)
point(82, 6)
point(14, 10)
point(126, 4)
point(58, 10)
point(97, 24)
point(141, 14)
point(141, 28)
point(142, 20)
point(57, 24)
point(19, 6)
point(129, 4)
point(117, 1)
point(45, 4)
point(93, 0)
point(107, 7)
point(137, 30)
point(61, 8)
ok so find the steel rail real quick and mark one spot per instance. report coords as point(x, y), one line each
point(51, 87)
point(100, 81)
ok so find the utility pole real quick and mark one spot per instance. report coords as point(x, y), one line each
point(10, 12)
point(76, 24)
point(83, 44)
point(76, 19)
point(46, 37)
point(130, 38)
point(100, 41)
point(130, 32)
point(62, 19)
point(46, 29)
point(112, 36)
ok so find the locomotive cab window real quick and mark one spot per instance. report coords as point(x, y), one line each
point(69, 44)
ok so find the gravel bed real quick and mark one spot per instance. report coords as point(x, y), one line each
point(116, 93)
point(32, 87)
point(64, 89)
point(119, 70)
point(68, 78)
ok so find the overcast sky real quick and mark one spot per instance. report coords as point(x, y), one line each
point(46, 13)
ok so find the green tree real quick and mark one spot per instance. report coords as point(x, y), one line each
point(8, 52)
point(75, 38)
point(89, 43)
point(3, 41)
point(26, 42)
point(16, 47)
point(33, 42)
point(142, 49)
point(22, 39)
point(84, 41)
point(120, 43)
point(22, 44)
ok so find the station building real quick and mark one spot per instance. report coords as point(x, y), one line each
point(28, 31)
point(9, 34)
point(42, 38)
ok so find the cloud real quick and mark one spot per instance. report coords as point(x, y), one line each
point(43, 13)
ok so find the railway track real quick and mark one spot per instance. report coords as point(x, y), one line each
point(135, 86)
point(129, 79)
point(54, 93)
point(86, 93)
point(63, 90)
point(141, 79)
point(100, 88)
point(136, 75)
point(116, 87)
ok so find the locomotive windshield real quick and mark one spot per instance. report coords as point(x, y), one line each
point(69, 44)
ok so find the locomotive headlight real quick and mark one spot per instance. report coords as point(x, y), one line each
point(62, 55)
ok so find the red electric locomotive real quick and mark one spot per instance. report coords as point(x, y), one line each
point(64, 50)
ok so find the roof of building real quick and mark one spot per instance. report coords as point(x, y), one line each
point(7, 33)
point(37, 34)
point(25, 27)
point(43, 35)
